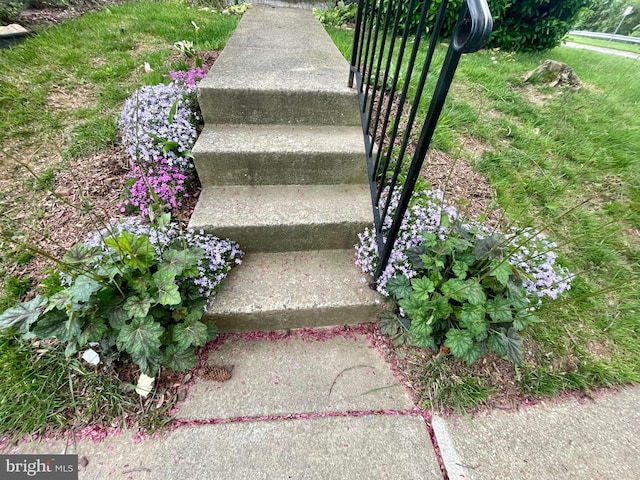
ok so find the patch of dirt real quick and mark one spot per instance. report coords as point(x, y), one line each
point(456, 177)
point(84, 196)
point(601, 349)
point(535, 96)
point(463, 186)
point(429, 377)
point(33, 17)
point(208, 58)
point(66, 98)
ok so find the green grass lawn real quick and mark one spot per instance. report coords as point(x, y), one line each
point(545, 151)
point(61, 92)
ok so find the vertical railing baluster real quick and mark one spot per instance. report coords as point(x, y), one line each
point(368, 55)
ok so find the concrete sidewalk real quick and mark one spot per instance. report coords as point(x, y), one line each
point(608, 51)
point(325, 404)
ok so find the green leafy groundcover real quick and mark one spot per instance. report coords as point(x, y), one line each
point(132, 295)
point(459, 285)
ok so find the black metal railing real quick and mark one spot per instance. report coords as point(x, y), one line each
point(385, 32)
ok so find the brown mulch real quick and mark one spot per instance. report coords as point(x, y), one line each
point(462, 185)
point(38, 17)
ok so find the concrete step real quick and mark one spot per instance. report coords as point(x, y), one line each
point(273, 291)
point(289, 73)
point(309, 5)
point(280, 154)
point(281, 218)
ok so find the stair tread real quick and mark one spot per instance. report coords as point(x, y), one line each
point(278, 57)
point(265, 205)
point(245, 139)
point(284, 290)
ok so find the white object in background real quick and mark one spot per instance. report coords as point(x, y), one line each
point(91, 356)
point(145, 384)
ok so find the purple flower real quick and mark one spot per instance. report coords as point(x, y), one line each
point(155, 182)
point(529, 250)
point(219, 255)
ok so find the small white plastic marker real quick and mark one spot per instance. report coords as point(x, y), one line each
point(91, 356)
point(145, 384)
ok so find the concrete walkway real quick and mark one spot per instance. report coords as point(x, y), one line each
point(324, 404)
point(609, 51)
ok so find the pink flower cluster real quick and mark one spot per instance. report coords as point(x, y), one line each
point(156, 182)
point(188, 78)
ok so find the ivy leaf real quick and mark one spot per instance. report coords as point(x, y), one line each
point(21, 316)
point(177, 261)
point(389, 325)
point(168, 292)
point(460, 269)
point(501, 271)
point(472, 318)
point(137, 307)
point(117, 317)
point(141, 337)
point(179, 359)
point(496, 344)
point(212, 331)
point(187, 334)
point(522, 321)
point(93, 331)
point(81, 253)
point(499, 309)
point(82, 289)
point(475, 352)
point(454, 289)
point(422, 287)
point(149, 364)
point(399, 286)
point(488, 247)
point(513, 344)
point(459, 342)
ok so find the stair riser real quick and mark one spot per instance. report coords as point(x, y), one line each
point(226, 168)
point(286, 238)
point(278, 107)
point(289, 319)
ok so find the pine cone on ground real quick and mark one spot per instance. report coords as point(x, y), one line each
point(215, 373)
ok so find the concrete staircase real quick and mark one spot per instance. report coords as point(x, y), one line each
point(282, 167)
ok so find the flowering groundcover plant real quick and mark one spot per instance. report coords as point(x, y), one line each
point(133, 291)
point(458, 285)
point(159, 121)
point(155, 183)
point(159, 126)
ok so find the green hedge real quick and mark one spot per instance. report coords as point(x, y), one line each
point(519, 25)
